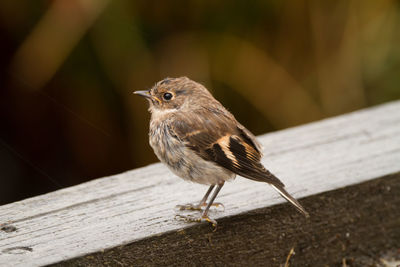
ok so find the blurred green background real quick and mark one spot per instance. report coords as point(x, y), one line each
point(68, 69)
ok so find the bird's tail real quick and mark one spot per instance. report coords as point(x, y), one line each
point(291, 199)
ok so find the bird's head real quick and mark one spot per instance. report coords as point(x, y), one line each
point(175, 94)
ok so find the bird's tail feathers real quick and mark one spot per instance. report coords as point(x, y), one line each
point(291, 199)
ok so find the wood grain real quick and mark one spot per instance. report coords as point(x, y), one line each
point(130, 208)
point(346, 227)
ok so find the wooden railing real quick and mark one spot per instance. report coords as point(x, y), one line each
point(344, 170)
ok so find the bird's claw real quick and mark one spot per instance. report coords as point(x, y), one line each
point(216, 205)
point(202, 218)
point(191, 206)
point(188, 206)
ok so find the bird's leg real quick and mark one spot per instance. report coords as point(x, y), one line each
point(204, 216)
point(204, 199)
point(202, 203)
point(190, 206)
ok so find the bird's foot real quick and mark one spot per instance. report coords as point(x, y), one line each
point(201, 218)
point(199, 207)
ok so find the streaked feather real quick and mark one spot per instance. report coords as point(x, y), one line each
point(229, 146)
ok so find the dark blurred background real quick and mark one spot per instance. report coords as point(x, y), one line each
point(68, 69)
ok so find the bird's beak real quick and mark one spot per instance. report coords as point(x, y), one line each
point(143, 93)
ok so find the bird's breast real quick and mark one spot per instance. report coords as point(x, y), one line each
point(182, 160)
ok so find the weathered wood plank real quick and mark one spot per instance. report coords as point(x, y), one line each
point(126, 208)
point(358, 225)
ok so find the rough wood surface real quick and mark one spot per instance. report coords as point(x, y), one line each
point(358, 225)
point(137, 207)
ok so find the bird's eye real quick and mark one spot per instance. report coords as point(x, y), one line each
point(167, 96)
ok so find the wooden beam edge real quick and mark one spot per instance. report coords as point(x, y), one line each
point(358, 225)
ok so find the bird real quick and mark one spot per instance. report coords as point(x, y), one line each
point(199, 140)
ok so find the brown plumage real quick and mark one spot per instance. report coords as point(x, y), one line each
point(199, 140)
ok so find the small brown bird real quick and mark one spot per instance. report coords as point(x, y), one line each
point(200, 141)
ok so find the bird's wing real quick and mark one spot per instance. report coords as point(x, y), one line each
point(217, 137)
point(250, 138)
